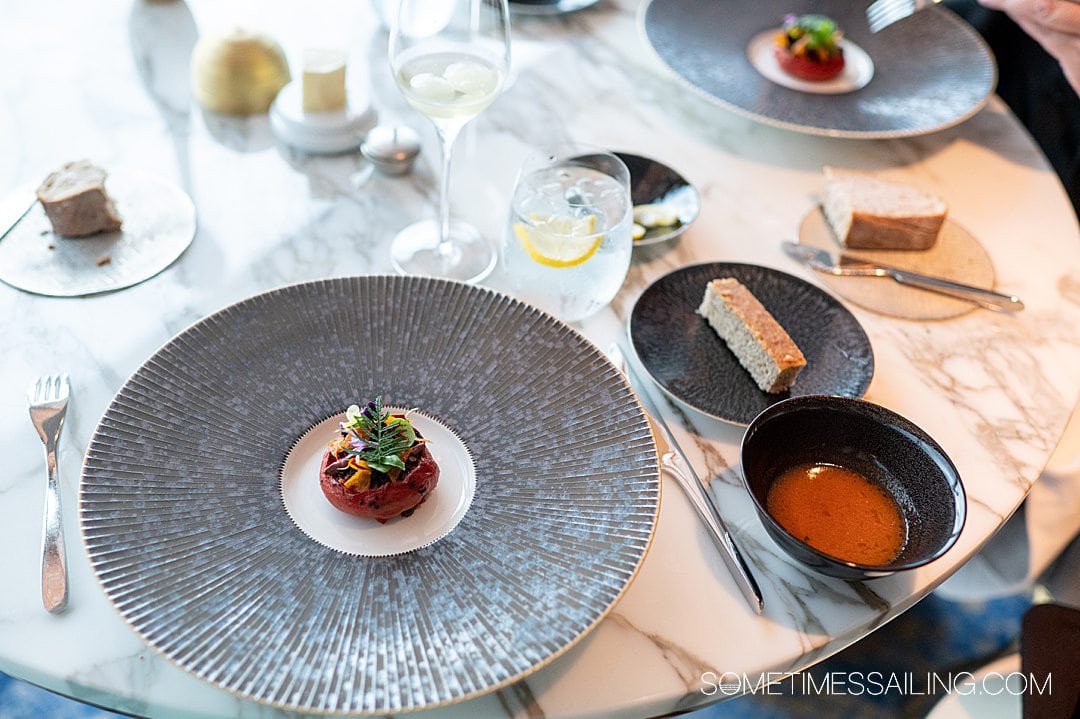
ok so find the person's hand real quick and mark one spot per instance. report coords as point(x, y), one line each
point(1055, 24)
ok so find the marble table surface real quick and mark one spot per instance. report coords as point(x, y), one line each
point(109, 81)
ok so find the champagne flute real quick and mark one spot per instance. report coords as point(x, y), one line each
point(450, 59)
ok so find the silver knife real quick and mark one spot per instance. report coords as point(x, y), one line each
point(847, 265)
point(15, 207)
point(674, 461)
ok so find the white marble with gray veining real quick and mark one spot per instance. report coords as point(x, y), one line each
point(108, 81)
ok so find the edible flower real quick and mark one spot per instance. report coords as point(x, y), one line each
point(380, 439)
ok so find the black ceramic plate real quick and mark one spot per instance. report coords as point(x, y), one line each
point(653, 182)
point(931, 70)
point(689, 361)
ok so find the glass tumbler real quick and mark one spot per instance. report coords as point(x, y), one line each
point(568, 245)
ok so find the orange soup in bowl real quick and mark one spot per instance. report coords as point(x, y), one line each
point(838, 512)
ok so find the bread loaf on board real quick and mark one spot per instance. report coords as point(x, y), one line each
point(871, 213)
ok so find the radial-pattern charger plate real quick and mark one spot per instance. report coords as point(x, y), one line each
point(183, 518)
point(930, 71)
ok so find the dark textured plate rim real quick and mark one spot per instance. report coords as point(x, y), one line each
point(730, 420)
point(532, 669)
point(814, 129)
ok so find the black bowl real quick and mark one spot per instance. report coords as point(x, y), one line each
point(878, 444)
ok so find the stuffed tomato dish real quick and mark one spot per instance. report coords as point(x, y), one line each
point(808, 47)
point(379, 467)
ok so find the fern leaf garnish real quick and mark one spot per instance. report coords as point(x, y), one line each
point(377, 437)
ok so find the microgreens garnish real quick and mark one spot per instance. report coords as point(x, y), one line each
point(820, 31)
point(377, 437)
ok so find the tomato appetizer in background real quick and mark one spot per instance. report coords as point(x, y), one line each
point(808, 47)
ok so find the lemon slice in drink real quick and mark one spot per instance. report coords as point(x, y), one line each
point(558, 240)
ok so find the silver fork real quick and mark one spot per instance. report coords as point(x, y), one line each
point(883, 13)
point(48, 401)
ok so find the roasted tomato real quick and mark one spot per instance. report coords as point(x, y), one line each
point(387, 500)
point(379, 466)
point(804, 68)
point(808, 47)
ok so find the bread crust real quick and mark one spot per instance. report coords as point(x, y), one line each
point(878, 232)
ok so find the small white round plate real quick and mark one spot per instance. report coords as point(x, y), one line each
point(362, 536)
point(857, 73)
point(320, 132)
point(159, 224)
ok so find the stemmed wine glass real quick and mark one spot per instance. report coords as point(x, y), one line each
point(450, 59)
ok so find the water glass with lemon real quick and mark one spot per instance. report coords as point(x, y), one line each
point(568, 246)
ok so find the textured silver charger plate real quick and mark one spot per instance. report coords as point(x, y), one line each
point(159, 224)
point(931, 70)
point(184, 522)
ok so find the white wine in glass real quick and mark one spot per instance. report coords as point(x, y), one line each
point(450, 59)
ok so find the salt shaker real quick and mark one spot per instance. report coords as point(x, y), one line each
point(392, 150)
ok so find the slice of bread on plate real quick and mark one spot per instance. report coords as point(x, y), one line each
point(757, 340)
point(867, 212)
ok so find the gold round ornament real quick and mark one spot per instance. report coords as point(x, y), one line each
point(238, 72)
